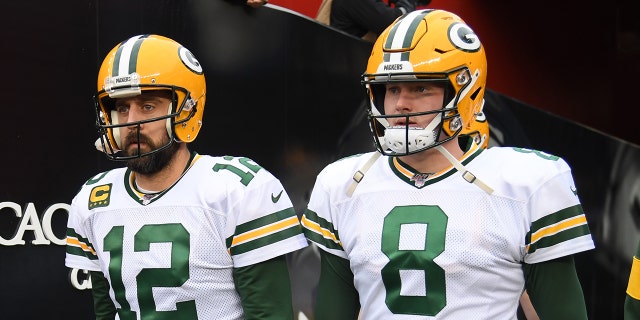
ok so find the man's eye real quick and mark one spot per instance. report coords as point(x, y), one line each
point(122, 109)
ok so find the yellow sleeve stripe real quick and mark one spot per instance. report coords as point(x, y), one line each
point(266, 230)
point(74, 242)
point(633, 288)
point(315, 227)
point(558, 227)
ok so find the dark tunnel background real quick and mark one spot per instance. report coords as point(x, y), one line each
point(285, 91)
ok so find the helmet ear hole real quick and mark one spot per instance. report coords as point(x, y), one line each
point(474, 95)
point(476, 106)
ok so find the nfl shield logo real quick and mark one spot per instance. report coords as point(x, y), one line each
point(420, 178)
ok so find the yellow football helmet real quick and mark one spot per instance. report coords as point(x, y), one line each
point(150, 62)
point(426, 45)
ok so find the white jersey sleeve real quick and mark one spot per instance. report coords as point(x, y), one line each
point(432, 245)
point(180, 246)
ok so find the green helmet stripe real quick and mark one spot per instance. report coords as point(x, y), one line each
point(402, 33)
point(126, 56)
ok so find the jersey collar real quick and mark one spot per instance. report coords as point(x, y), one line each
point(145, 198)
point(421, 179)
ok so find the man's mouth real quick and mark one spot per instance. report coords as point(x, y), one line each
point(136, 145)
point(404, 126)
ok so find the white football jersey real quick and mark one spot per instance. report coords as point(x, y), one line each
point(172, 254)
point(434, 246)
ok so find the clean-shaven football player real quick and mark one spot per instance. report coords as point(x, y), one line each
point(176, 234)
point(431, 226)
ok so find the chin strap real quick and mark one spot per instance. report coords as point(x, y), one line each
point(466, 174)
point(99, 147)
point(359, 175)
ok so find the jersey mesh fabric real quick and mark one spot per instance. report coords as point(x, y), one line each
point(446, 249)
point(174, 254)
point(209, 268)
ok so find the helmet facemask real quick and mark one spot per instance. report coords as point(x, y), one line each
point(426, 45)
point(109, 128)
point(146, 63)
point(407, 139)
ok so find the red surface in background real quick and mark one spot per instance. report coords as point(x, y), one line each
point(308, 8)
point(554, 58)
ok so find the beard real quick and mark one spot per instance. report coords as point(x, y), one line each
point(154, 162)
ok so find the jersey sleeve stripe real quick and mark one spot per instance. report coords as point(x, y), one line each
point(79, 246)
point(558, 227)
point(269, 229)
point(554, 239)
point(311, 217)
point(264, 231)
point(320, 231)
point(556, 217)
point(265, 240)
point(266, 220)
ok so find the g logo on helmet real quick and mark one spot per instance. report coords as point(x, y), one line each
point(463, 38)
point(189, 60)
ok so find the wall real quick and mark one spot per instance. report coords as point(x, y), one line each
point(575, 59)
point(282, 90)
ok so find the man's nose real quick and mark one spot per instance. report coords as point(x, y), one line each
point(134, 114)
point(404, 102)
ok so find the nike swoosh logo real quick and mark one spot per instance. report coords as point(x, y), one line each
point(276, 198)
point(574, 190)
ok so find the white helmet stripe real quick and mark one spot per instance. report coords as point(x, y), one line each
point(401, 35)
point(126, 56)
point(398, 42)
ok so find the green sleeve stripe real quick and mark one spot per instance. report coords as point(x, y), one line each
point(72, 233)
point(321, 222)
point(554, 218)
point(559, 237)
point(319, 239)
point(264, 241)
point(76, 251)
point(262, 227)
point(320, 231)
point(79, 246)
point(266, 220)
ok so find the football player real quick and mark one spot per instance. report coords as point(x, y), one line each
point(425, 228)
point(176, 234)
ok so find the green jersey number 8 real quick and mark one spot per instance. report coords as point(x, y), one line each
point(414, 259)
